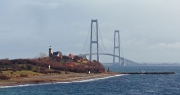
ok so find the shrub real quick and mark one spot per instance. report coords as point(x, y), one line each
point(35, 70)
point(66, 72)
point(23, 67)
point(59, 72)
point(23, 75)
point(29, 66)
point(14, 70)
point(3, 77)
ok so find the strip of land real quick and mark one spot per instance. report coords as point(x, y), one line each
point(157, 73)
point(53, 78)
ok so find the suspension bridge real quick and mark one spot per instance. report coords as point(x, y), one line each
point(94, 40)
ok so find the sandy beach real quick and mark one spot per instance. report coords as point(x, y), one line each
point(53, 78)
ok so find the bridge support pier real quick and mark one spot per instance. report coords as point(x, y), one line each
point(123, 61)
point(117, 46)
point(94, 41)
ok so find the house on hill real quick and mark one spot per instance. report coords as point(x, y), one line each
point(54, 54)
point(58, 54)
point(71, 56)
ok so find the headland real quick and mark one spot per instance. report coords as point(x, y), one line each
point(50, 69)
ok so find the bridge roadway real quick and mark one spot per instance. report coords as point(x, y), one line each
point(100, 54)
point(122, 59)
point(85, 56)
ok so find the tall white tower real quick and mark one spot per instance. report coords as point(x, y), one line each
point(95, 41)
point(117, 46)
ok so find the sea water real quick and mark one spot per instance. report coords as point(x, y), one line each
point(117, 85)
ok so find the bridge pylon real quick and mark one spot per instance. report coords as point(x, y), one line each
point(116, 46)
point(94, 41)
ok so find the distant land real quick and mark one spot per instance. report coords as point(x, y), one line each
point(130, 63)
point(159, 64)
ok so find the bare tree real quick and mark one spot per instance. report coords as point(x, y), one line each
point(42, 55)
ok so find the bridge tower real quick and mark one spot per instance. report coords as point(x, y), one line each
point(94, 41)
point(117, 46)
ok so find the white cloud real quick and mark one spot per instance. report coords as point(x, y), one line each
point(175, 45)
point(146, 27)
point(51, 5)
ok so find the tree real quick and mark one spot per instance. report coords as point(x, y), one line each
point(42, 55)
point(29, 66)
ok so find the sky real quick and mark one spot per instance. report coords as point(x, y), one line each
point(149, 29)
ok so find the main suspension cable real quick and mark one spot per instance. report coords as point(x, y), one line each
point(85, 41)
point(102, 41)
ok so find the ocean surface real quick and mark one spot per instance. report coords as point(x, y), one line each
point(118, 85)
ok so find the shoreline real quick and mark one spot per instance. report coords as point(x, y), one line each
point(55, 79)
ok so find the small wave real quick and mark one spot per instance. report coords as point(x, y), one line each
point(94, 79)
point(24, 85)
point(17, 85)
point(88, 80)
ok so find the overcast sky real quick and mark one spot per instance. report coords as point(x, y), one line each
point(149, 29)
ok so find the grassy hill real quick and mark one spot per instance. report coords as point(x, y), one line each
point(38, 66)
